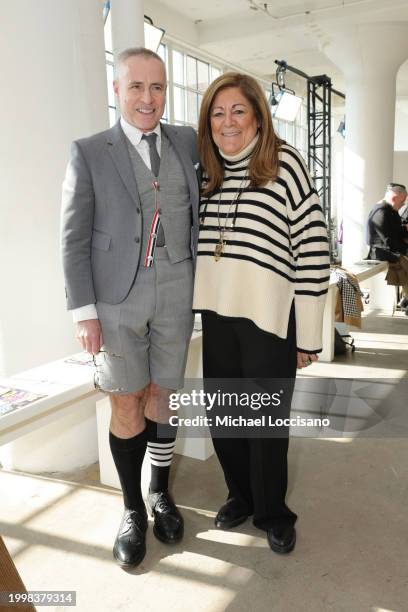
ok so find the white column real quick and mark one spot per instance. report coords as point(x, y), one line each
point(53, 89)
point(369, 56)
point(127, 24)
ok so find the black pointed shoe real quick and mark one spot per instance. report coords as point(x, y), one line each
point(231, 514)
point(130, 544)
point(282, 539)
point(168, 523)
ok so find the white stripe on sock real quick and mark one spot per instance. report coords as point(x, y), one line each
point(162, 444)
point(160, 464)
point(160, 457)
point(160, 454)
point(161, 451)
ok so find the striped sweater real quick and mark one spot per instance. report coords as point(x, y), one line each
point(277, 252)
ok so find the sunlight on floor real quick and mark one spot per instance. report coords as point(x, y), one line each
point(233, 538)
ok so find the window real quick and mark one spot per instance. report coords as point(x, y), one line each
point(111, 94)
point(189, 78)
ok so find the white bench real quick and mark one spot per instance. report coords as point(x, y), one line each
point(58, 431)
point(363, 271)
point(62, 431)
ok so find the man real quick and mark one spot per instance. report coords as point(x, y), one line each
point(386, 234)
point(129, 231)
point(404, 216)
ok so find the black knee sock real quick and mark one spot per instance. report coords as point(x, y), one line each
point(128, 456)
point(161, 453)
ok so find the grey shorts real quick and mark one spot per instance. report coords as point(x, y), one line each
point(146, 337)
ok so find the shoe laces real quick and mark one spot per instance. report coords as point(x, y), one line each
point(162, 504)
point(133, 517)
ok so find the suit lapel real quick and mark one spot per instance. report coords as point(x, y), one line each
point(186, 162)
point(118, 150)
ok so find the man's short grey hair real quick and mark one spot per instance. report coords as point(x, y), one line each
point(135, 52)
point(396, 188)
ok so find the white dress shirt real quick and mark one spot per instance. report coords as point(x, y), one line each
point(142, 147)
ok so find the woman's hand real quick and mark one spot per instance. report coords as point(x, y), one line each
point(305, 359)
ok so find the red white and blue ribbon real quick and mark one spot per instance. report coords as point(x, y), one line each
point(154, 229)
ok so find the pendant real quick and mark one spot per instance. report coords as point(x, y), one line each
point(219, 249)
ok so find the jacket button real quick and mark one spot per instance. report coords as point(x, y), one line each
point(137, 239)
point(138, 210)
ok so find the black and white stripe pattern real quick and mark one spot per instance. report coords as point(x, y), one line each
point(278, 250)
point(161, 454)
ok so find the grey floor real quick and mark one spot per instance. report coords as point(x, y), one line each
point(351, 496)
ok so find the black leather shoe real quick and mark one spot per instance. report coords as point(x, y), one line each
point(168, 522)
point(403, 303)
point(230, 515)
point(282, 539)
point(130, 544)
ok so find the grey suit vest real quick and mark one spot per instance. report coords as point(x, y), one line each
point(174, 201)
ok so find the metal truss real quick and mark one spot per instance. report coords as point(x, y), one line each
point(319, 92)
point(319, 138)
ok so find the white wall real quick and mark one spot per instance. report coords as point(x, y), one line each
point(401, 142)
point(401, 167)
point(401, 125)
point(54, 84)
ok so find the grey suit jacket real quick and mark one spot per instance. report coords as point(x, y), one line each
point(101, 222)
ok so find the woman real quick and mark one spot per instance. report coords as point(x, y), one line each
point(261, 279)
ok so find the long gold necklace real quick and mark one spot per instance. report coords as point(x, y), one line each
point(220, 246)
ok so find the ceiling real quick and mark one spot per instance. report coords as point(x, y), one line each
point(252, 34)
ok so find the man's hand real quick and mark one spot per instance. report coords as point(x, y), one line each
point(89, 335)
point(305, 359)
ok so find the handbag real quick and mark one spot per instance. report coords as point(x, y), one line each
point(398, 272)
point(341, 345)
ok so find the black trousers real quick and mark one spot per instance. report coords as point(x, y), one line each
point(255, 468)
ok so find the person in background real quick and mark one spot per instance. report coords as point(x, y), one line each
point(404, 216)
point(129, 227)
point(261, 282)
point(386, 234)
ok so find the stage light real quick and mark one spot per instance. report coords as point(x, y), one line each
point(287, 107)
point(152, 34)
point(273, 100)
